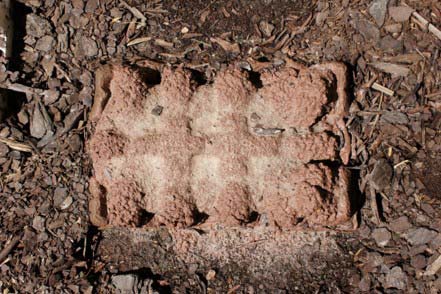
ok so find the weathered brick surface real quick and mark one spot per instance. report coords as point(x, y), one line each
point(228, 151)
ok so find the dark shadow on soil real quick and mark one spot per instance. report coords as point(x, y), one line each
point(254, 78)
point(150, 76)
point(145, 217)
point(379, 200)
point(357, 198)
point(10, 103)
point(19, 13)
point(199, 217)
point(83, 248)
point(198, 78)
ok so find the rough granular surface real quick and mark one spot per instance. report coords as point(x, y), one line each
point(228, 153)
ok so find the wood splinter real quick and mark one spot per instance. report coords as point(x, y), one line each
point(8, 248)
point(382, 89)
point(425, 24)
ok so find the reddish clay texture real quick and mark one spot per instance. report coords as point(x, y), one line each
point(227, 153)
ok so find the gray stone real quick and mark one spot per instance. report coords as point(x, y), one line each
point(38, 223)
point(414, 250)
point(373, 261)
point(396, 70)
point(45, 44)
point(125, 283)
point(86, 47)
point(91, 5)
point(368, 30)
point(389, 44)
point(365, 283)
point(266, 28)
point(436, 285)
point(418, 261)
point(60, 195)
point(378, 10)
point(4, 149)
point(50, 96)
point(400, 224)
point(396, 278)
point(381, 175)
point(400, 13)
point(394, 28)
point(420, 236)
point(38, 125)
point(435, 244)
point(37, 26)
point(23, 117)
point(381, 236)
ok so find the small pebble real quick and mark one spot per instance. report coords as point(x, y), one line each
point(381, 236)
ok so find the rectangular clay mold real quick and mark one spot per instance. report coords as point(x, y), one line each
point(228, 153)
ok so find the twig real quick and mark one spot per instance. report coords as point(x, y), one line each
point(234, 289)
point(425, 24)
point(138, 14)
point(17, 145)
point(138, 41)
point(401, 163)
point(421, 21)
point(377, 117)
point(382, 89)
point(433, 95)
point(434, 267)
point(63, 72)
point(21, 88)
point(8, 248)
point(434, 30)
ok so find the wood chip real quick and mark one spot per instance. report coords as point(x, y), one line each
point(227, 46)
point(394, 69)
point(434, 267)
point(136, 13)
point(408, 58)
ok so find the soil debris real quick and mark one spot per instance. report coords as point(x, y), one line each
point(51, 77)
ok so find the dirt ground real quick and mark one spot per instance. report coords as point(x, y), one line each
point(393, 245)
